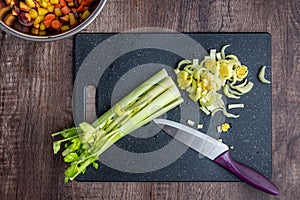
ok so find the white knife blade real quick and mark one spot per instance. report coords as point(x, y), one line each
point(196, 140)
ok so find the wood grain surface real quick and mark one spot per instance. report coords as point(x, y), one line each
point(36, 99)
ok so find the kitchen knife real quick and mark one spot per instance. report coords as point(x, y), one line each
point(216, 151)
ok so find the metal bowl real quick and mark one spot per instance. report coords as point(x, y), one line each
point(48, 38)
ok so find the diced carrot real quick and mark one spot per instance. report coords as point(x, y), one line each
point(49, 17)
point(65, 10)
point(62, 3)
point(81, 7)
point(55, 24)
point(84, 4)
point(69, 1)
point(47, 23)
point(57, 6)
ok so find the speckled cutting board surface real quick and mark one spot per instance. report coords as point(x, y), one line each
point(143, 155)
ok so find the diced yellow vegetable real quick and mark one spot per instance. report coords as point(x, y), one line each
point(42, 26)
point(71, 4)
point(43, 3)
point(65, 19)
point(33, 13)
point(24, 7)
point(35, 31)
point(225, 127)
point(57, 12)
point(85, 15)
point(50, 8)
point(54, 1)
point(72, 19)
point(65, 28)
point(30, 3)
point(38, 19)
point(36, 26)
point(42, 11)
point(42, 33)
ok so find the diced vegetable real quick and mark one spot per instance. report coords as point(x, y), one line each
point(38, 20)
point(65, 28)
point(62, 3)
point(55, 24)
point(225, 127)
point(24, 7)
point(33, 13)
point(35, 31)
point(49, 17)
point(30, 3)
point(9, 20)
point(43, 3)
point(73, 21)
point(85, 14)
point(42, 11)
point(65, 10)
point(42, 27)
point(50, 8)
point(54, 1)
point(27, 11)
point(85, 143)
point(58, 12)
point(42, 33)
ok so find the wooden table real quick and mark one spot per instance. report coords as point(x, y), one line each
point(36, 99)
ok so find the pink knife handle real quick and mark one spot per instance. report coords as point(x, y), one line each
point(246, 174)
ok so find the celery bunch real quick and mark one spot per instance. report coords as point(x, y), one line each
point(84, 144)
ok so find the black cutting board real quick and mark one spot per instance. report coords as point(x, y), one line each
point(145, 154)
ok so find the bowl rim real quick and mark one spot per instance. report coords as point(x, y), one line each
point(60, 36)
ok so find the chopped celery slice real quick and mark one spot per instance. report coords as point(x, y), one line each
point(261, 75)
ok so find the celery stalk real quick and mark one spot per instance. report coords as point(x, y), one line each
point(86, 143)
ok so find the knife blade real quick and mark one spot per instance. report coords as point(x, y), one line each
point(216, 151)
